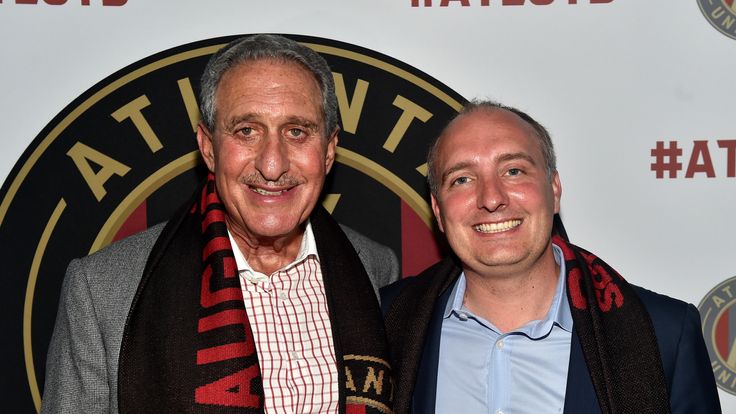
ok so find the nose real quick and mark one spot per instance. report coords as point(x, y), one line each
point(272, 160)
point(491, 195)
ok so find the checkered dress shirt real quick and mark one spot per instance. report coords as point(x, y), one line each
point(288, 314)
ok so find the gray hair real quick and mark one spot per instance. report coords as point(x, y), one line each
point(266, 47)
point(545, 141)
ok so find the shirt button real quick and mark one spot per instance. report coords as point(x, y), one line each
point(463, 316)
point(499, 345)
point(499, 412)
point(282, 295)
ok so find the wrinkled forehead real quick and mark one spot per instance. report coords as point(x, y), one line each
point(247, 70)
point(269, 84)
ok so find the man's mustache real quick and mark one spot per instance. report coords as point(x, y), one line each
point(256, 179)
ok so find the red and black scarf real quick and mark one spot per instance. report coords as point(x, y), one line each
point(188, 346)
point(615, 332)
point(616, 335)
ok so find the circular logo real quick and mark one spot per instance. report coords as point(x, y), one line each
point(718, 316)
point(123, 157)
point(721, 14)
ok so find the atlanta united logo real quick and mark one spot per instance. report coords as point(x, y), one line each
point(721, 14)
point(122, 157)
point(718, 316)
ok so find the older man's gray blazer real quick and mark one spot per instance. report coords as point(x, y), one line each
point(82, 362)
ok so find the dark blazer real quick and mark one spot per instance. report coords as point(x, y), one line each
point(414, 336)
point(82, 362)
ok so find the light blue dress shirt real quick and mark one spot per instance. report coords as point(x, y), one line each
point(482, 370)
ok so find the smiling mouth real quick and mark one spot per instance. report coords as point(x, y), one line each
point(496, 227)
point(265, 192)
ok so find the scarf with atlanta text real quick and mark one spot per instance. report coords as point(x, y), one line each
point(615, 332)
point(188, 346)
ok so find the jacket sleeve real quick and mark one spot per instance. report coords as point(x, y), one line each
point(379, 261)
point(383, 268)
point(76, 373)
point(693, 383)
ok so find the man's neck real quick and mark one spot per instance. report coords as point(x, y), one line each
point(512, 301)
point(268, 254)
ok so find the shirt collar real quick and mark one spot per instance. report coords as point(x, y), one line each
point(558, 314)
point(307, 248)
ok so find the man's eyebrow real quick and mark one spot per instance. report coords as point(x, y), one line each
point(513, 156)
point(231, 123)
point(456, 167)
point(305, 122)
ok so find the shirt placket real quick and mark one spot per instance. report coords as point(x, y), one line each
point(500, 368)
point(288, 334)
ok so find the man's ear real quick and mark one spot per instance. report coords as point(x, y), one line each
point(436, 211)
point(206, 146)
point(331, 150)
point(557, 191)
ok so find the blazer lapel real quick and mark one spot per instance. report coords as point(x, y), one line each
point(408, 321)
point(579, 396)
point(425, 390)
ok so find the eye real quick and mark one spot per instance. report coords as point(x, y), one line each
point(460, 180)
point(295, 133)
point(514, 171)
point(246, 131)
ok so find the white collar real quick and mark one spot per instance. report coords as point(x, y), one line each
point(307, 248)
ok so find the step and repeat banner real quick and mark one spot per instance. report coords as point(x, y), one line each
point(98, 106)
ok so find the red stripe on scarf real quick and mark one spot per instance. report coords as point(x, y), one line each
point(209, 298)
point(231, 391)
point(221, 243)
point(212, 216)
point(355, 409)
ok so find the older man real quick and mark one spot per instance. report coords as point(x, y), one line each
point(251, 299)
point(520, 321)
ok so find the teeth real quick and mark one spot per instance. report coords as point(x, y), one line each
point(496, 227)
point(267, 193)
